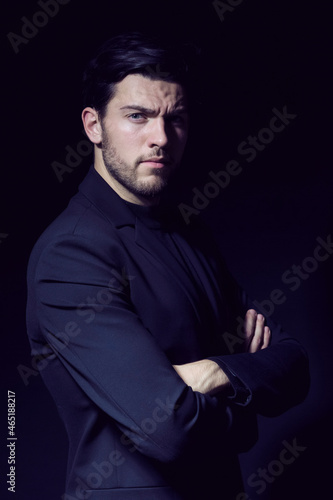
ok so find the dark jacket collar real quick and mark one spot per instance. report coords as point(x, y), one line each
point(98, 191)
point(122, 213)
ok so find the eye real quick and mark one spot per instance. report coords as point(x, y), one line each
point(136, 117)
point(177, 120)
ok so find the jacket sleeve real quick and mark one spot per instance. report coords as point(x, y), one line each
point(87, 320)
point(271, 380)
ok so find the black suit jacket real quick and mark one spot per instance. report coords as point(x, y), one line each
point(114, 299)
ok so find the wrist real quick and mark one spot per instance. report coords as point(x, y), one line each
point(205, 376)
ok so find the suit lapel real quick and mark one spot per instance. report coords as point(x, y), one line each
point(202, 272)
point(113, 207)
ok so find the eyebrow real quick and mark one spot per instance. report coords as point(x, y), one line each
point(148, 111)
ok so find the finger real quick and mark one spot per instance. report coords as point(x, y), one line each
point(267, 338)
point(258, 336)
point(249, 326)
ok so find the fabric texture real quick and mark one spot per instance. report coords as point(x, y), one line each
point(116, 296)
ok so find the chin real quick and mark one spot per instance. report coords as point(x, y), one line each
point(152, 191)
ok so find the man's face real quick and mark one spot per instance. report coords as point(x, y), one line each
point(144, 133)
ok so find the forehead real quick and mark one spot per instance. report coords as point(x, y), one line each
point(155, 94)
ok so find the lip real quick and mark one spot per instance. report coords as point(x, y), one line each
point(155, 162)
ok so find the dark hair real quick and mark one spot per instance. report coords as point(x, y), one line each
point(132, 53)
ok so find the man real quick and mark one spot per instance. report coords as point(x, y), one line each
point(127, 306)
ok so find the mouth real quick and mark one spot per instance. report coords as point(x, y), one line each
point(156, 162)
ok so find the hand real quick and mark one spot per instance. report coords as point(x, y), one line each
point(257, 335)
point(204, 376)
point(207, 377)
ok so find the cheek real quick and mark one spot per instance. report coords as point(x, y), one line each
point(182, 140)
point(126, 140)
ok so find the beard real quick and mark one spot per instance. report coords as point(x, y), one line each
point(154, 183)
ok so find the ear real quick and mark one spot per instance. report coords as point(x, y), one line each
point(92, 126)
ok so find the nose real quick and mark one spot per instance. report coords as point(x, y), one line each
point(157, 134)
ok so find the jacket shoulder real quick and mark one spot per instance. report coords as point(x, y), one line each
point(80, 229)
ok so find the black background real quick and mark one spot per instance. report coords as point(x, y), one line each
point(262, 55)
